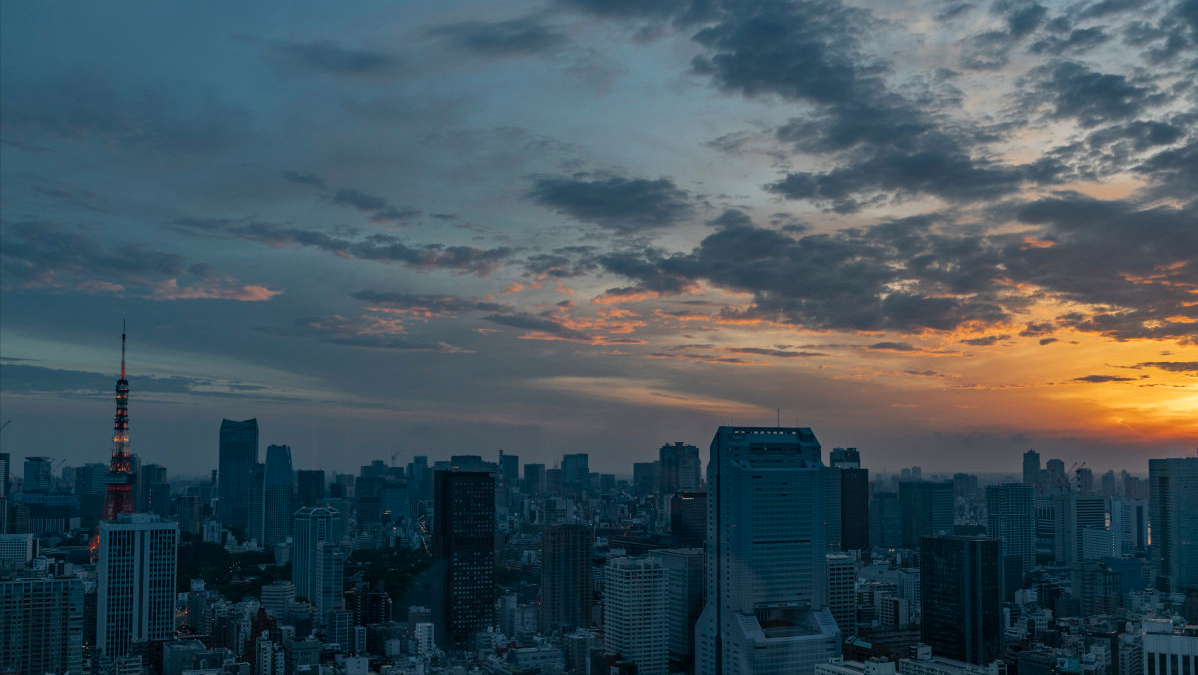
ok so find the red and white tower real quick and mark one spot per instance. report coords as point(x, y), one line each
point(119, 498)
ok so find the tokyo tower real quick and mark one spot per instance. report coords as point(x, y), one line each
point(119, 498)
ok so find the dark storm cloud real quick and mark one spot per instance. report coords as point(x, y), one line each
point(1071, 90)
point(427, 305)
point(91, 107)
point(1098, 379)
point(514, 37)
point(328, 58)
point(377, 247)
point(625, 205)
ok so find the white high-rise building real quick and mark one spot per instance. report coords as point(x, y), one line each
point(842, 591)
point(767, 608)
point(1073, 513)
point(135, 571)
point(636, 611)
point(312, 526)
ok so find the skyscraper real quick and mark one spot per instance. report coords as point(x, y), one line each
point(635, 617)
point(135, 574)
point(238, 455)
point(1011, 510)
point(576, 471)
point(1172, 505)
point(534, 478)
point(844, 458)
point(279, 495)
point(312, 527)
point(309, 486)
point(854, 509)
point(41, 625)
point(147, 475)
point(686, 586)
point(961, 598)
point(688, 519)
point(463, 555)
point(927, 510)
point(886, 520)
point(766, 606)
point(1073, 513)
point(509, 469)
point(1031, 467)
point(328, 578)
point(679, 468)
point(842, 592)
point(566, 577)
point(1129, 525)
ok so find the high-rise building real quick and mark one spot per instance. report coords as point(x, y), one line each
point(463, 555)
point(328, 579)
point(255, 527)
point(311, 527)
point(885, 520)
point(636, 613)
point(854, 508)
point(238, 455)
point(576, 471)
point(927, 510)
point(1031, 467)
point(41, 625)
point(147, 475)
point(1055, 474)
point(278, 488)
point(509, 469)
point(309, 487)
point(1096, 587)
point(688, 519)
point(1129, 525)
point(1011, 509)
point(842, 592)
point(135, 574)
point(844, 458)
point(686, 586)
point(1072, 514)
point(766, 608)
point(961, 597)
point(1172, 503)
point(566, 587)
point(832, 505)
point(38, 477)
point(5, 468)
point(534, 478)
point(646, 477)
point(679, 467)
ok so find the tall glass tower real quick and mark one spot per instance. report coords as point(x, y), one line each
point(238, 455)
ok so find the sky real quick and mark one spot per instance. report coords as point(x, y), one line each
point(943, 232)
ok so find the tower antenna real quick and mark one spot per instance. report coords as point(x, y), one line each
point(122, 349)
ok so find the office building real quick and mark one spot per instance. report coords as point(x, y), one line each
point(576, 471)
point(842, 592)
point(1169, 651)
point(328, 579)
point(5, 468)
point(309, 487)
point(686, 586)
point(255, 528)
point(534, 478)
point(238, 455)
point(311, 528)
point(37, 477)
point(41, 625)
point(961, 597)
point(566, 587)
point(635, 616)
point(463, 555)
point(147, 475)
point(927, 510)
point(1172, 503)
point(1011, 513)
point(646, 477)
point(688, 519)
point(885, 520)
point(1129, 526)
point(1096, 587)
point(1072, 514)
point(844, 458)
point(1031, 467)
point(766, 608)
point(279, 495)
point(832, 505)
point(854, 508)
point(135, 573)
point(509, 469)
point(679, 467)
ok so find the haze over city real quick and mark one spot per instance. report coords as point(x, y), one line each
point(944, 232)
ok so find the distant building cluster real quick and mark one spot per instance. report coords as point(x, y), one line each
point(775, 560)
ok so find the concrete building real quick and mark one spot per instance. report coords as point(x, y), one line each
point(961, 597)
point(463, 555)
point(1172, 503)
point(312, 527)
point(135, 574)
point(1011, 519)
point(927, 510)
point(566, 589)
point(1169, 652)
point(41, 625)
point(686, 585)
point(1072, 514)
point(636, 613)
point(842, 592)
point(766, 588)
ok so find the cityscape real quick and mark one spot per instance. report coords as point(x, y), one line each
point(776, 559)
point(599, 337)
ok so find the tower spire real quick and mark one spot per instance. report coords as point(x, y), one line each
point(122, 349)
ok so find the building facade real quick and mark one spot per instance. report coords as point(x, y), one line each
point(566, 587)
point(961, 597)
point(238, 455)
point(1172, 503)
point(635, 616)
point(136, 563)
point(463, 555)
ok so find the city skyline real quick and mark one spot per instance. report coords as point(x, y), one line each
point(947, 233)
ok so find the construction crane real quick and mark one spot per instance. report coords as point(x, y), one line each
point(5, 424)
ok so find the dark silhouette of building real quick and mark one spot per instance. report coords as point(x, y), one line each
point(927, 510)
point(886, 520)
point(566, 584)
point(646, 476)
point(309, 486)
point(678, 468)
point(854, 509)
point(238, 455)
point(961, 597)
point(1031, 467)
point(534, 478)
point(1011, 513)
point(688, 520)
point(463, 555)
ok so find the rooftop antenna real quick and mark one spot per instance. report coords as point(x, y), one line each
point(779, 423)
point(122, 349)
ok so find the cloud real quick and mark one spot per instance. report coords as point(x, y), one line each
point(325, 57)
point(23, 379)
point(986, 341)
point(893, 347)
point(304, 179)
point(368, 330)
point(427, 306)
point(1098, 379)
point(781, 353)
point(39, 254)
point(1072, 91)
point(378, 247)
point(515, 37)
point(625, 205)
point(1185, 367)
point(379, 209)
